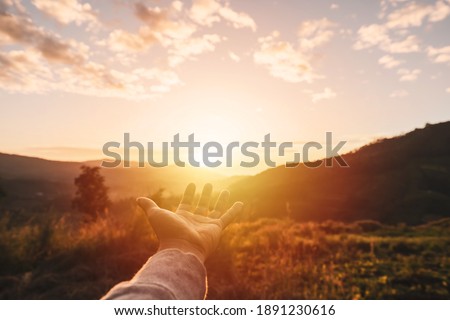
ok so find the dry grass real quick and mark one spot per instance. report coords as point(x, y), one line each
point(264, 259)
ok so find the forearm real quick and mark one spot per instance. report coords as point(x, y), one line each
point(169, 274)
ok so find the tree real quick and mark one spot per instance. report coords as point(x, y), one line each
point(91, 196)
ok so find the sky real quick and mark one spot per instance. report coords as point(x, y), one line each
point(75, 74)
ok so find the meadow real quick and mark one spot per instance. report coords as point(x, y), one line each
point(67, 257)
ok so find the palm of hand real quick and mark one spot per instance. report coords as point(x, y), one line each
point(195, 231)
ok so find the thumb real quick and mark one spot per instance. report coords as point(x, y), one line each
point(231, 213)
point(147, 205)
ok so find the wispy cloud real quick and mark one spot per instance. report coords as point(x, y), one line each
point(39, 55)
point(399, 93)
point(378, 35)
point(188, 48)
point(233, 56)
point(48, 62)
point(283, 60)
point(208, 12)
point(291, 62)
point(123, 41)
point(389, 62)
point(414, 14)
point(67, 11)
point(409, 75)
point(314, 33)
point(439, 55)
point(21, 30)
point(326, 94)
point(24, 70)
point(177, 29)
point(411, 15)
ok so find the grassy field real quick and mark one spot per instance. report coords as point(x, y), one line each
point(67, 258)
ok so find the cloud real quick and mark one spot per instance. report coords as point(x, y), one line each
point(399, 94)
point(334, 6)
point(27, 71)
point(313, 33)
point(49, 63)
point(371, 35)
point(67, 11)
point(164, 78)
point(22, 30)
point(398, 21)
point(413, 14)
point(237, 19)
point(12, 5)
point(282, 60)
point(163, 24)
point(290, 63)
point(139, 84)
point(208, 12)
point(188, 48)
point(123, 41)
point(439, 55)
point(389, 62)
point(409, 75)
point(447, 90)
point(24, 71)
point(204, 12)
point(409, 44)
point(177, 5)
point(233, 56)
point(326, 94)
point(377, 35)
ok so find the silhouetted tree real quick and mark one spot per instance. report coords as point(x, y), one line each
point(92, 195)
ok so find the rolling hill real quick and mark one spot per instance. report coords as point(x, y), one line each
point(401, 179)
point(36, 183)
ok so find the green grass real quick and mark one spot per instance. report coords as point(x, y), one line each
point(265, 259)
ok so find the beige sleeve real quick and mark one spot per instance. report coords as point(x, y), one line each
point(169, 274)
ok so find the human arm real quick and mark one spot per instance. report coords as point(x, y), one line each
point(187, 237)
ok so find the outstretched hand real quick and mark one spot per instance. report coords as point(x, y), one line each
point(190, 230)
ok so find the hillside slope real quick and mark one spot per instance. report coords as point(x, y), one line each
point(30, 182)
point(401, 179)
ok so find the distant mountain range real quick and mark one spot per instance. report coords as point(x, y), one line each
point(30, 182)
point(401, 179)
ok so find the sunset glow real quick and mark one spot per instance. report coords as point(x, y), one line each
point(76, 74)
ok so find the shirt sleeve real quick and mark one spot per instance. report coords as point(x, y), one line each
point(169, 274)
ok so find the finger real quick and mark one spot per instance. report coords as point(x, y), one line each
point(231, 214)
point(221, 204)
point(188, 198)
point(203, 203)
point(147, 205)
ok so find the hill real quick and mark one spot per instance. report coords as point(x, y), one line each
point(39, 184)
point(401, 179)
